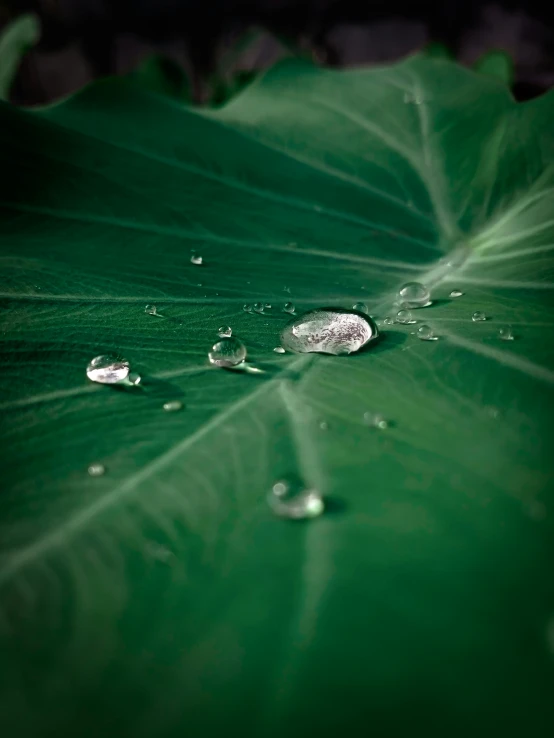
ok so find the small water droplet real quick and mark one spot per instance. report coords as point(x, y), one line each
point(388, 320)
point(456, 293)
point(289, 308)
point(286, 289)
point(376, 420)
point(108, 369)
point(227, 353)
point(426, 333)
point(493, 412)
point(414, 295)
point(478, 317)
point(267, 306)
point(324, 425)
point(294, 501)
point(247, 308)
point(151, 310)
point(134, 379)
point(259, 307)
point(361, 307)
point(329, 331)
point(172, 406)
point(506, 333)
point(279, 350)
point(196, 259)
point(225, 331)
point(405, 316)
point(413, 99)
point(96, 470)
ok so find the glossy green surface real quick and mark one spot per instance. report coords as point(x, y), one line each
point(163, 598)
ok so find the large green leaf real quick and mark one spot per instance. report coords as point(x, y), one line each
point(163, 598)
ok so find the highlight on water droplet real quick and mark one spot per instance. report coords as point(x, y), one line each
point(456, 293)
point(361, 307)
point(108, 369)
point(329, 331)
point(225, 331)
point(259, 307)
point(196, 259)
point(375, 420)
point(426, 333)
point(478, 316)
point(415, 295)
point(247, 308)
point(228, 352)
point(173, 406)
point(294, 501)
point(505, 333)
point(405, 316)
point(151, 310)
point(96, 470)
point(279, 350)
point(289, 308)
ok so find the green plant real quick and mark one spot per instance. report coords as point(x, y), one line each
point(163, 598)
point(15, 40)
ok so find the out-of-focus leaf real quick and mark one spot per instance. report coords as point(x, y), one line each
point(15, 40)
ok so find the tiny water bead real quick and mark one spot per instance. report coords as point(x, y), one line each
point(96, 470)
point(247, 308)
point(267, 306)
point(108, 369)
point(134, 379)
point(478, 317)
point(259, 307)
point(505, 333)
point(225, 331)
point(294, 501)
point(227, 352)
point(323, 425)
point(405, 316)
point(456, 293)
point(279, 350)
point(329, 331)
point(415, 295)
point(151, 310)
point(289, 308)
point(426, 333)
point(196, 259)
point(388, 320)
point(361, 307)
point(173, 406)
point(376, 420)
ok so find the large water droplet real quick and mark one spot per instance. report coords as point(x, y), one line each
point(173, 406)
point(478, 317)
point(225, 331)
point(96, 470)
point(329, 331)
point(294, 501)
point(108, 369)
point(361, 307)
point(415, 295)
point(196, 259)
point(456, 293)
point(289, 308)
point(227, 353)
point(426, 333)
point(506, 333)
point(405, 316)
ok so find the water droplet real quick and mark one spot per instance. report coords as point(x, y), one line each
point(361, 307)
point(172, 406)
point(134, 379)
point(289, 308)
point(247, 308)
point(478, 317)
point(225, 331)
point(227, 353)
point(329, 331)
point(151, 310)
point(426, 333)
point(405, 316)
point(267, 306)
point(294, 501)
point(412, 99)
point(456, 293)
point(286, 289)
point(279, 350)
point(506, 333)
point(415, 295)
point(376, 420)
point(324, 425)
point(108, 369)
point(388, 321)
point(195, 259)
point(259, 307)
point(96, 470)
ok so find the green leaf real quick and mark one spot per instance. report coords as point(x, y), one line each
point(497, 64)
point(15, 40)
point(163, 598)
point(162, 75)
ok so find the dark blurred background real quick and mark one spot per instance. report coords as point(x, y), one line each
point(85, 39)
